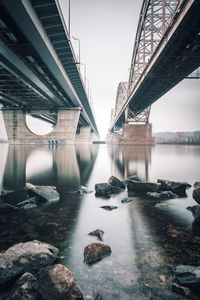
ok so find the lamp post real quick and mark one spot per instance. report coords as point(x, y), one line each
point(79, 48)
point(69, 12)
point(84, 73)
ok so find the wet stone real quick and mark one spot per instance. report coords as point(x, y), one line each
point(196, 184)
point(104, 189)
point(98, 233)
point(195, 210)
point(108, 207)
point(143, 187)
point(95, 252)
point(47, 193)
point(162, 195)
point(187, 276)
point(126, 200)
point(179, 188)
point(114, 181)
point(84, 190)
point(196, 194)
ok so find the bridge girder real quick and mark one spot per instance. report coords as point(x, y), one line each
point(166, 50)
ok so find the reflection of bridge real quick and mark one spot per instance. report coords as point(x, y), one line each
point(67, 168)
point(39, 74)
point(127, 161)
point(166, 50)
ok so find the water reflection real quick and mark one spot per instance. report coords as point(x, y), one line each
point(130, 160)
point(59, 166)
point(146, 240)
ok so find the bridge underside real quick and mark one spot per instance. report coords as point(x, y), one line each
point(177, 55)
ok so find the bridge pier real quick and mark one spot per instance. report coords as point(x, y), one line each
point(84, 135)
point(63, 132)
point(133, 134)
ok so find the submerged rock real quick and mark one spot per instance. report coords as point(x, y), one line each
point(179, 188)
point(57, 282)
point(108, 207)
point(105, 189)
point(114, 181)
point(84, 190)
point(95, 252)
point(143, 187)
point(98, 233)
point(187, 275)
point(25, 257)
point(28, 201)
point(126, 200)
point(195, 211)
point(48, 193)
point(161, 195)
point(25, 288)
point(196, 184)
point(181, 290)
point(196, 194)
point(7, 208)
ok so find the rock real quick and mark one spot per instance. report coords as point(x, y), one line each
point(25, 257)
point(187, 275)
point(25, 288)
point(28, 201)
point(195, 211)
point(108, 207)
point(47, 193)
point(114, 181)
point(98, 233)
point(161, 195)
point(7, 208)
point(143, 187)
point(181, 289)
point(126, 200)
point(29, 206)
point(196, 194)
point(95, 252)
point(84, 190)
point(57, 282)
point(179, 188)
point(104, 189)
point(98, 297)
point(196, 184)
point(135, 178)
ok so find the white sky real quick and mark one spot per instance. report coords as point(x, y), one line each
point(106, 29)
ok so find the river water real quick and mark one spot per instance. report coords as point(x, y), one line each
point(146, 239)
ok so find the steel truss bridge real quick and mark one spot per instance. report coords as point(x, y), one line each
point(38, 67)
point(166, 50)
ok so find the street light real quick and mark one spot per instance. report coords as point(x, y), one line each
point(79, 50)
point(84, 73)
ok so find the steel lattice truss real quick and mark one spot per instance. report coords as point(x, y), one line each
point(155, 17)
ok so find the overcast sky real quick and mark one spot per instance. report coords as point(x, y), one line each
point(106, 29)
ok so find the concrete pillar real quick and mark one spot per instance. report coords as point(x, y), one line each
point(93, 137)
point(137, 134)
point(84, 135)
point(63, 132)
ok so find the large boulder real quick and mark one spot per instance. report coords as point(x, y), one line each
point(196, 184)
point(179, 188)
point(196, 194)
point(187, 276)
point(114, 181)
point(25, 257)
point(96, 251)
point(47, 193)
point(161, 195)
point(25, 288)
point(105, 189)
point(58, 283)
point(143, 187)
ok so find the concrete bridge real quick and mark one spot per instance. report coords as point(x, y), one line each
point(40, 76)
point(166, 50)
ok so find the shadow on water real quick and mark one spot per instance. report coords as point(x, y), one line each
point(146, 239)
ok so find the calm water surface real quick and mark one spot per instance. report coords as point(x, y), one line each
point(146, 240)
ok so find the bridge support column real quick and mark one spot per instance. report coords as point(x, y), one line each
point(137, 134)
point(63, 132)
point(84, 135)
point(132, 134)
point(93, 137)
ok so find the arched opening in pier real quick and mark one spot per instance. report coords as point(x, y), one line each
point(39, 125)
